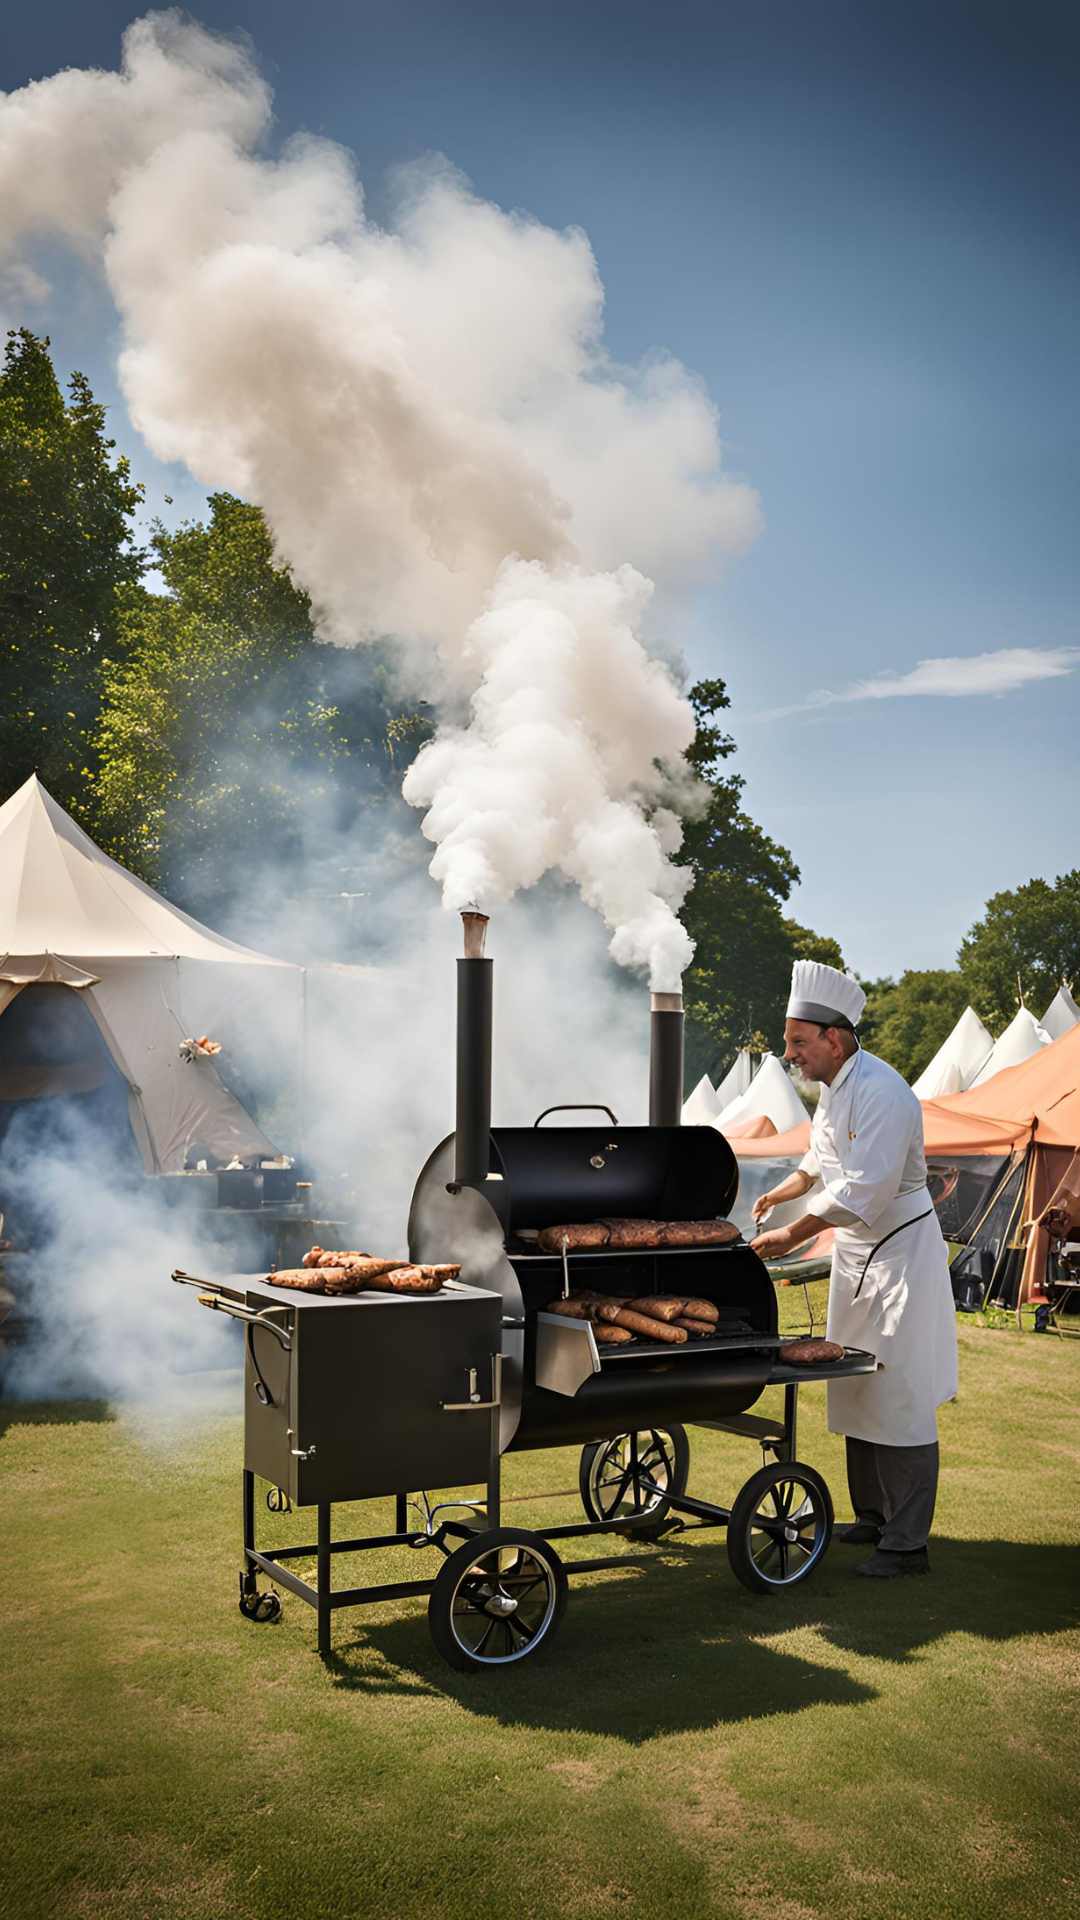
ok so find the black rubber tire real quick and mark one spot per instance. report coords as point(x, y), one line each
point(260, 1607)
point(677, 1452)
point(537, 1566)
point(773, 1494)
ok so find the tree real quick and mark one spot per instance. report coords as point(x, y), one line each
point(1027, 941)
point(737, 985)
point(808, 945)
point(227, 724)
point(65, 550)
point(906, 1020)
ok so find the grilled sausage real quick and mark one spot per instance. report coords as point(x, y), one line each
point(573, 1308)
point(641, 1323)
point(312, 1257)
point(659, 1306)
point(697, 1329)
point(607, 1336)
point(702, 1310)
point(403, 1279)
point(348, 1258)
point(632, 1236)
point(807, 1353)
point(580, 1238)
point(307, 1279)
point(441, 1272)
point(698, 1233)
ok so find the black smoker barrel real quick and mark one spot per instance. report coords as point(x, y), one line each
point(666, 1060)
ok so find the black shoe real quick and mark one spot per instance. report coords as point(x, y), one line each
point(857, 1533)
point(884, 1565)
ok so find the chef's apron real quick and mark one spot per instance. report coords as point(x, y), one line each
point(890, 1294)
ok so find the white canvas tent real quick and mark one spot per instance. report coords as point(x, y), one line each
point(1022, 1037)
point(958, 1059)
point(74, 921)
point(700, 1108)
point(1061, 1014)
point(770, 1096)
point(736, 1080)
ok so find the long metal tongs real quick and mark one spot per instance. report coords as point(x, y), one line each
point(222, 1299)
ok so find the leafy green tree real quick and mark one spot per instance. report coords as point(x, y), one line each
point(66, 507)
point(736, 987)
point(808, 945)
point(225, 710)
point(1029, 940)
point(907, 1020)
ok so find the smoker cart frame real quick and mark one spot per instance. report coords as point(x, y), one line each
point(800, 1499)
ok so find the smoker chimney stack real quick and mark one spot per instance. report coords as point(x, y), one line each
point(472, 1135)
point(666, 1060)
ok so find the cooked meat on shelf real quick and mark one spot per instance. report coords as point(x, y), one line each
point(341, 1280)
point(697, 1329)
point(312, 1257)
point(574, 1307)
point(347, 1258)
point(628, 1236)
point(659, 1306)
point(404, 1279)
point(642, 1323)
point(698, 1233)
point(579, 1239)
point(608, 1336)
point(701, 1310)
point(307, 1279)
point(808, 1352)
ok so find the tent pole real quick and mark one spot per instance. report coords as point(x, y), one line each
point(302, 1126)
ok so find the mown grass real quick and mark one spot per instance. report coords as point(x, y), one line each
point(683, 1747)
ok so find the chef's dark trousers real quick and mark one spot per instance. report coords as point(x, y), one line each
point(894, 1488)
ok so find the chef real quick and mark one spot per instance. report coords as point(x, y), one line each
point(889, 1290)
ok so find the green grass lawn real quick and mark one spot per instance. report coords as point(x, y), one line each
point(683, 1747)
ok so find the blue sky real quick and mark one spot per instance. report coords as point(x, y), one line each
point(859, 224)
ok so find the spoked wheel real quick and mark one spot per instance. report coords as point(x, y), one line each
point(618, 1478)
point(497, 1600)
point(780, 1526)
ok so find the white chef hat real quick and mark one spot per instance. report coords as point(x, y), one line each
point(824, 994)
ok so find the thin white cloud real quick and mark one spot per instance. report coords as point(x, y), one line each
point(954, 677)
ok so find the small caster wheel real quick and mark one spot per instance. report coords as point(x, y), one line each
point(612, 1474)
point(260, 1606)
point(780, 1526)
point(497, 1599)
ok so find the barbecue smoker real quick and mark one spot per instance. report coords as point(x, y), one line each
point(369, 1395)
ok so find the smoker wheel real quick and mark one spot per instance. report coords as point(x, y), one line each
point(780, 1526)
point(260, 1606)
point(497, 1599)
point(612, 1472)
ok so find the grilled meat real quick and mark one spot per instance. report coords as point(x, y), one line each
point(808, 1352)
point(583, 1237)
point(641, 1323)
point(697, 1233)
point(659, 1306)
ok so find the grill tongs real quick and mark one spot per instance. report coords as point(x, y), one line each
point(227, 1300)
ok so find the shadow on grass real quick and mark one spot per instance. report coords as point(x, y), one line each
point(680, 1647)
point(53, 1413)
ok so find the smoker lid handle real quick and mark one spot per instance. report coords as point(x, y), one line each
point(580, 1106)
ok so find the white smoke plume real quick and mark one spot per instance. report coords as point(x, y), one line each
point(441, 445)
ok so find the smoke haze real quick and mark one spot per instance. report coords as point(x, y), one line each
point(441, 445)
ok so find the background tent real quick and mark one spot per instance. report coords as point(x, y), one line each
point(73, 923)
point(736, 1080)
point(958, 1059)
point(1061, 1014)
point(701, 1108)
point(1022, 1037)
point(770, 1095)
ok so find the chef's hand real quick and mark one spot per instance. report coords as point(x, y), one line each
point(762, 1205)
point(770, 1246)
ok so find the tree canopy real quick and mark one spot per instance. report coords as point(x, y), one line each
point(224, 711)
point(737, 985)
point(66, 507)
point(1027, 942)
point(907, 1020)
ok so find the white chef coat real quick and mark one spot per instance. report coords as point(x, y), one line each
point(889, 1291)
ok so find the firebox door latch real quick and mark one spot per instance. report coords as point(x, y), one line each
point(301, 1453)
point(474, 1404)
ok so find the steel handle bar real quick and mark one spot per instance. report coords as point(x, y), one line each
point(578, 1106)
point(250, 1319)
